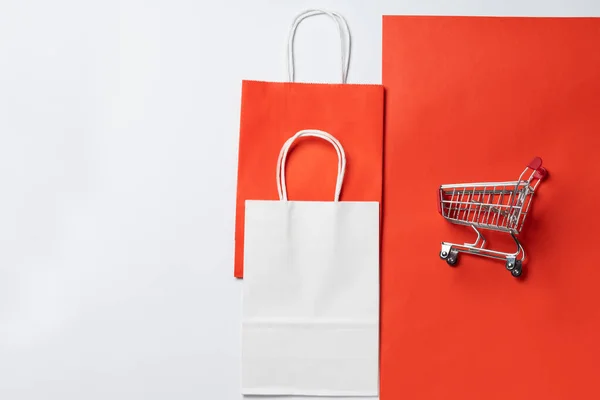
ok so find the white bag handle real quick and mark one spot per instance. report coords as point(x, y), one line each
point(344, 38)
point(281, 185)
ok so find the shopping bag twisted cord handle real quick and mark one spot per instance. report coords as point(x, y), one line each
point(344, 38)
point(281, 185)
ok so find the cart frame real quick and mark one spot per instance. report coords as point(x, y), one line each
point(496, 206)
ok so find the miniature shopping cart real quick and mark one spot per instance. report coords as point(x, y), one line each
point(498, 206)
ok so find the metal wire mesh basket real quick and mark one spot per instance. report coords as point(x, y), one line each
point(497, 206)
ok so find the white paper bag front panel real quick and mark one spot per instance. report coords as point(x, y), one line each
point(311, 298)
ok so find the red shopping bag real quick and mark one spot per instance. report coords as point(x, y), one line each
point(472, 100)
point(272, 111)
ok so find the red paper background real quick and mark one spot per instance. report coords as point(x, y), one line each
point(475, 99)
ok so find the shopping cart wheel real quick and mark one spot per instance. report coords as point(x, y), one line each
point(452, 258)
point(518, 269)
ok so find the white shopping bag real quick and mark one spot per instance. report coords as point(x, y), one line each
point(311, 292)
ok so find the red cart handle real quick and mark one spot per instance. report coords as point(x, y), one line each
point(540, 172)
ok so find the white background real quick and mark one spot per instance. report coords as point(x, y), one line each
point(118, 144)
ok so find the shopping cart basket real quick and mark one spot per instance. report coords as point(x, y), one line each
point(498, 206)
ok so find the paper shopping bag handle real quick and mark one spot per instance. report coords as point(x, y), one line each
point(281, 185)
point(344, 38)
